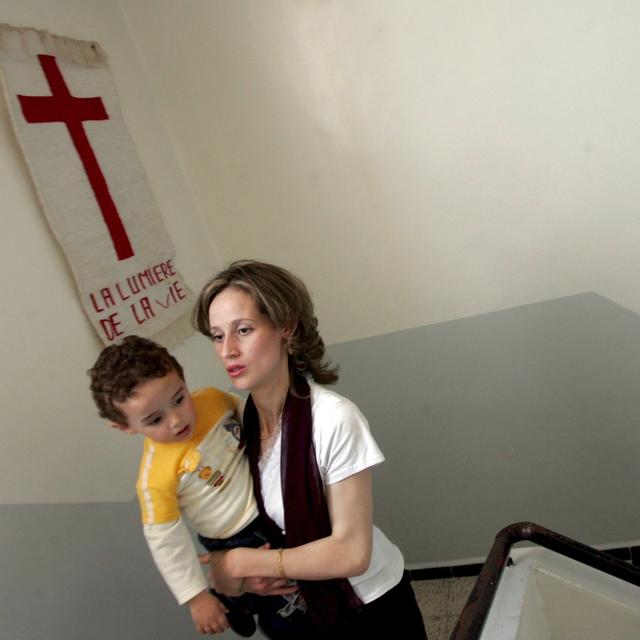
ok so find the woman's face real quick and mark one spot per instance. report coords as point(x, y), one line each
point(252, 350)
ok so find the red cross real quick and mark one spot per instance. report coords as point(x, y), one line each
point(61, 106)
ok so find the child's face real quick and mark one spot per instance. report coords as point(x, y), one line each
point(160, 409)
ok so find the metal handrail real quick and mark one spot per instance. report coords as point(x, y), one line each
point(474, 614)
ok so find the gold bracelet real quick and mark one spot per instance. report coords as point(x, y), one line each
point(281, 572)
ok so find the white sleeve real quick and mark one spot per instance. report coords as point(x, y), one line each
point(175, 556)
point(343, 441)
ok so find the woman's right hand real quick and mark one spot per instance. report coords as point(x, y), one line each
point(221, 580)
point(257, 586)
point(269, 586)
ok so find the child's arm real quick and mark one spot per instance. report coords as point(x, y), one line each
point(208, 613)
point(175, 556)
point(172, 548)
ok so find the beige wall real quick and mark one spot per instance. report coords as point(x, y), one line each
point(54, 448)
point(415, 161)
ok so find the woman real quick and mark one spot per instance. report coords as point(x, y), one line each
point(311, 454)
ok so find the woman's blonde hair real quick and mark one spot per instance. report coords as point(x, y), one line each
point(284, 299)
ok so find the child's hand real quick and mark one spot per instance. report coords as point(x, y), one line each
point(208, 613)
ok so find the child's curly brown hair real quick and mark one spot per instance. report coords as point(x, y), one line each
point(121, 367)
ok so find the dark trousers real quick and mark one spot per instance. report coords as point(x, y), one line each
point(250, 536)
point(392, 615)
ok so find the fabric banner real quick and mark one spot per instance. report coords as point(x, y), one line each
point(92, 186)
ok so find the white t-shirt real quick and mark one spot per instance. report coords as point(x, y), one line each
point(344, 446)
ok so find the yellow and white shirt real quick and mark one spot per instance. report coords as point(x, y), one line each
point(205, 479)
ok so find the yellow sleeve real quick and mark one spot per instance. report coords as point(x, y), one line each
point(157, 488)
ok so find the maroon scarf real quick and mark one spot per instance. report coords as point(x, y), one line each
point(306, 515)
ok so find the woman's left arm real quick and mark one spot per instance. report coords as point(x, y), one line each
point(344, 553)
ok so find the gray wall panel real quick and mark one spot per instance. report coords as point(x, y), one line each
point(83, 571)
point(526, 414)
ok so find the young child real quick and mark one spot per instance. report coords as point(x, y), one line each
point(193, 464)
